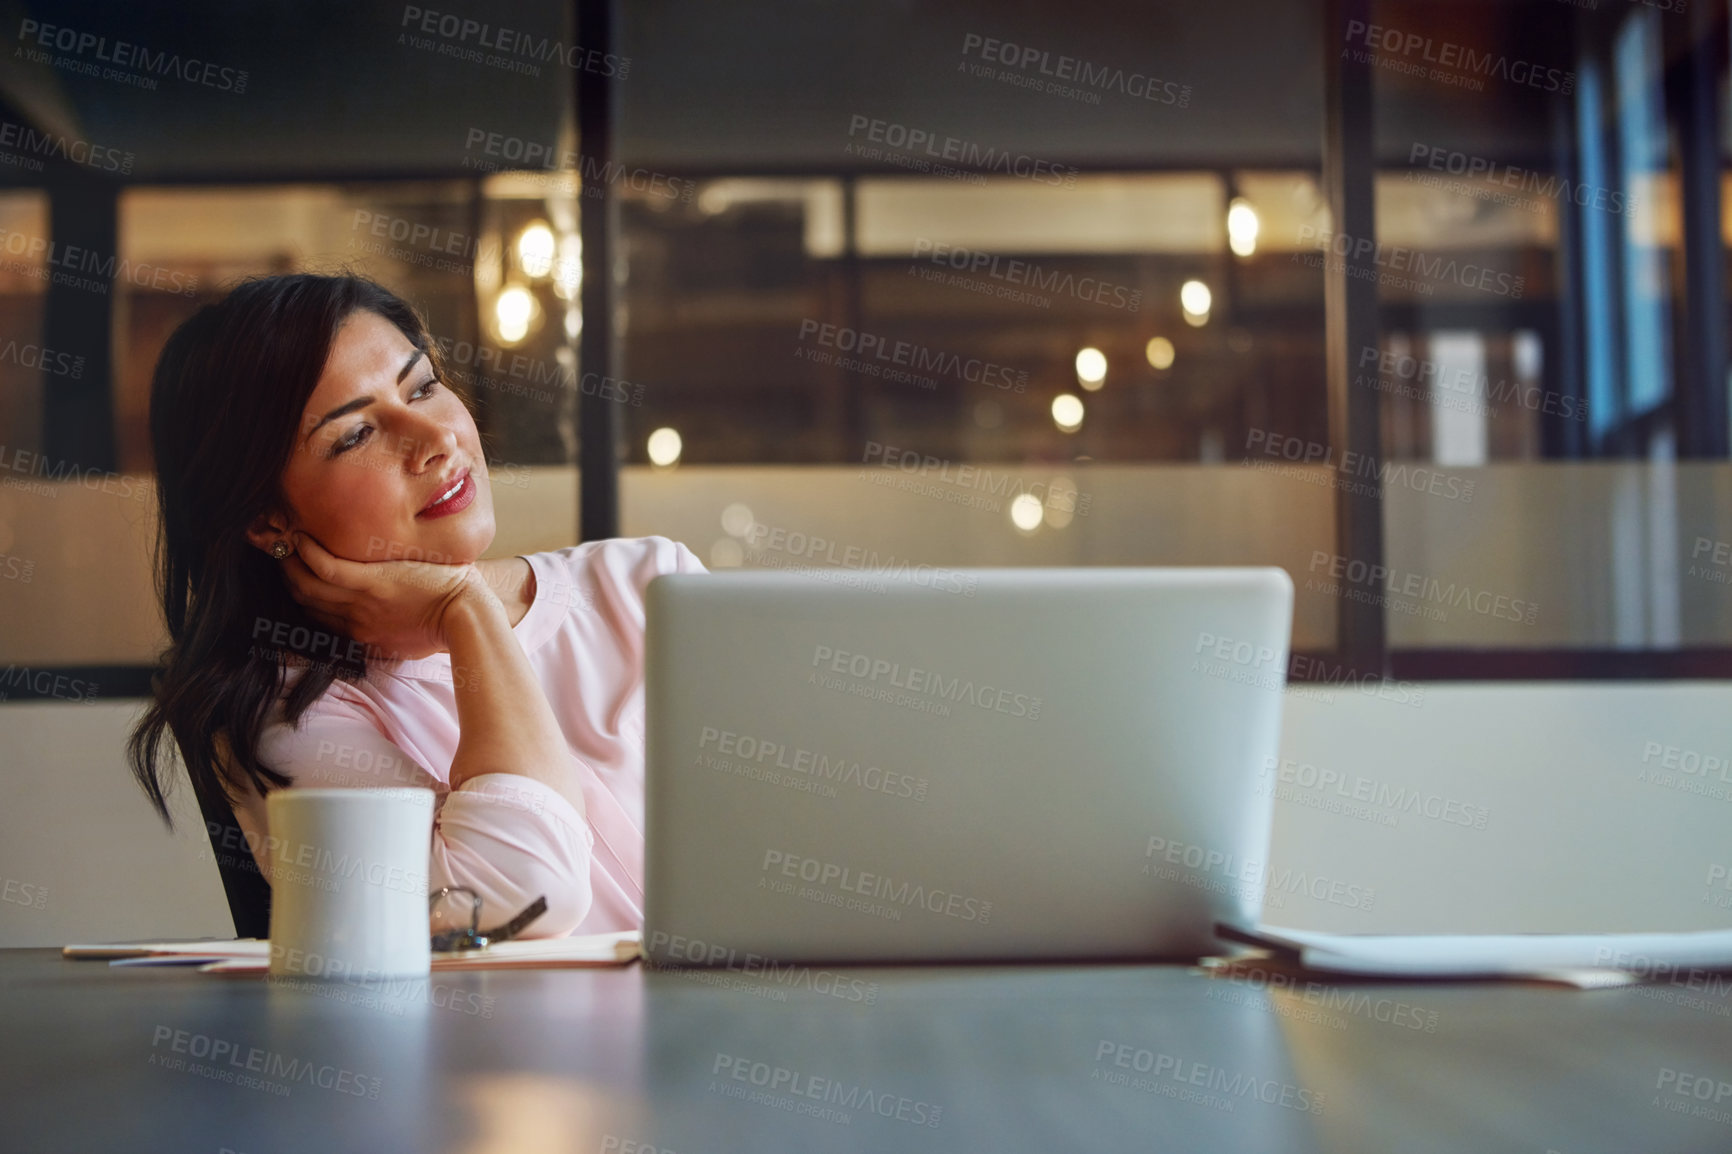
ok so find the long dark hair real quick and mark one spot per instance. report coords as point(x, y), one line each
point(225, 411)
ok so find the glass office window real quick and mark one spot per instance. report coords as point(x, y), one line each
point(1547, 486)
point(967, 313)
point(992, 323)
point(26, 366)
point(490, 261)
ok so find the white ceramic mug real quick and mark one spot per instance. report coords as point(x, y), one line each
point(349, 882)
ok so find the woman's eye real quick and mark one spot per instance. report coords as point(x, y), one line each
point(426, 387)
point(355, 438)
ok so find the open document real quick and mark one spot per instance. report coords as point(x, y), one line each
point(1566, 957)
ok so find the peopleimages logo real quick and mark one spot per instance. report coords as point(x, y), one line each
point(1234, 1086)
point(1322, 997)
point(1246, 878)
point(1258, 665)
point(1430, 269)
point(913, 679)
point(932, 145)
point(58, 147)
point(1523, 180)
point(757, 752)
point(473, 363)
point(63, 261)
point(765, 539)
point(43, 359)
point(1379, 476)
point(1023, 58)
point(21, 893)
point(1349, 573)
point(46, 683)
point(122, 54)
point(1454, 811)
point(1676, 1089)
point(516, 153)
point(1449, 63)
point(682, 952)
point(1058, 493)
point(1446, 386)
point(1026, 274)
point(1690, 762)
point(234, 1061)
point(916, 357)
point(1317, 676)
point(421, 235)
point(459, 32)
point(909, 895)
point(35, 465)
point(795, 1084)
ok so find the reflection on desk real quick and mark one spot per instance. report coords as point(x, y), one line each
point(1116, 1058)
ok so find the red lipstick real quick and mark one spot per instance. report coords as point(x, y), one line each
point(451, 499)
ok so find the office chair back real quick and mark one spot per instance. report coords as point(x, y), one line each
point(248, 893)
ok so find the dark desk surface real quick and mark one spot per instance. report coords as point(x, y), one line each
point(1111, 1058)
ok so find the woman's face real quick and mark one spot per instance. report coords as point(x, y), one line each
point(380, 442)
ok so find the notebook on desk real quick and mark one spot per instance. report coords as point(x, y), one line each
point(252, 955)
point(1577, 959)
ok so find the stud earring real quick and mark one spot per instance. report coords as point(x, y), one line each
point(281, 549)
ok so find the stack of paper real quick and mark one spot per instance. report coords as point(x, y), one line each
point(1581, 959)
point(253, 955)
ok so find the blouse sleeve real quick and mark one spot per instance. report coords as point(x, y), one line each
point(508, 837)
point(670, 556)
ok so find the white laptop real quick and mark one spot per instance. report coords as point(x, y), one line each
point(1008, 764)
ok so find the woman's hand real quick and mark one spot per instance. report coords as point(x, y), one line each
point(396, 608)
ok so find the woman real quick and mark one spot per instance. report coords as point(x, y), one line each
point(324, 500)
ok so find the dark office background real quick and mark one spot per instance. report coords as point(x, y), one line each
point(1468, 246)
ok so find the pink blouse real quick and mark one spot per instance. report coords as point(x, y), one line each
point(508, 837)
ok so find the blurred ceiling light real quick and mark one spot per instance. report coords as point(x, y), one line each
point(1061, 501)
point(714, 199)
point(568, 274)
point(535, 249)
point(737, 519)
point(1242, 225)
point(1196, 300)
point(1067, 412)
point(664, 447)
point(726, 554)
point(1160, 352)
point(573, 323)
point(1091, 368)
point(514, 309)
point(1025, 512)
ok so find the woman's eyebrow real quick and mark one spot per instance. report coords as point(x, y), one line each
point(362, 402)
